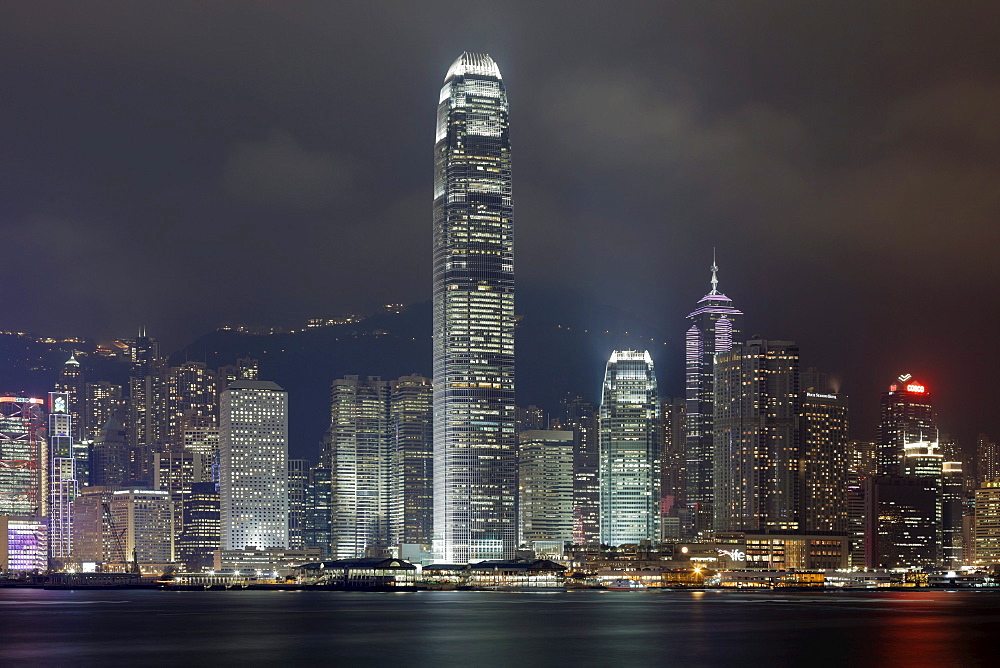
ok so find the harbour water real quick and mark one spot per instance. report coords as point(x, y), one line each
point(578, 628)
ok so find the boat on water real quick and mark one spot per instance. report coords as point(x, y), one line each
point(625, 584)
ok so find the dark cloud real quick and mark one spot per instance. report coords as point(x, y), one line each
point(177, 165)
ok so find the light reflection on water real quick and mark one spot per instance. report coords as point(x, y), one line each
point(499, 629)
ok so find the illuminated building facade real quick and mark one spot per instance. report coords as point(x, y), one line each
point(630, 450)
point(23, 545)
point(581, 417)
point(175, 472)
point(93, 539)
point(672, 484)
point(319, 511)
point(901, 527)
point(359, 458)
point(115, 462)
point(71, 382)
point(475, 478)
point(756, 440)
point(907, 416)
point(193, 400)
point(298, 483)
point(63, 485)
point(987, 459)
point(715, 325)
point(823, 430)
point(145, 521)
point(202, 532)
point(411, 441)
point(987, 523)
point(23, 457)
point(545, 485)
point(953, 497)
point(253, 465)
point(148, 403)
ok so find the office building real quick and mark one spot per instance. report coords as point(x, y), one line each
point(63, 485)
point(193, 401)
point(987, 459)
point(24, 457)
point(94, 542)
point(630, 441)
point(24, 545)
point(145, 521)
point(298, 484)
point(201, 536)
point(359, 457)
point(676, 522)
point(545, 485)
point(987, 524)
point(953, 498)
point(907, 416)
point(71, 382)
point(581, 417)
point(115, 462)
point(148, 402)
point(823, 469)
point(756, 437)
point(715, 324)
point(901, 527)
point(411, 442)
point(253, 465)
point(317, 532)
point(175, 472)
point(475, 478)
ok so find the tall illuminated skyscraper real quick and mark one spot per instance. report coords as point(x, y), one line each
point(630, 450)
point(907, 417)
point(714, 324)
point(475, 480)
point(23, 457)
point(63, 485)
point(253, 465)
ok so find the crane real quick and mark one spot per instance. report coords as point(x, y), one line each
point(130, 567)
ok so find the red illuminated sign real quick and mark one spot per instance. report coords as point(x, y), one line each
point(919, 389)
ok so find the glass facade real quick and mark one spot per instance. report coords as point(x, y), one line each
point(714, 324)
point(474, 442)
point(630, 450)
point(907, 416)
point(23, 456)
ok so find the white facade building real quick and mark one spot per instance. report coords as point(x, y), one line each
point(253, 465)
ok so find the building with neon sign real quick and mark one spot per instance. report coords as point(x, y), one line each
point(715, 324)
point(907, 416)
point(63, 484)
point(475, 476)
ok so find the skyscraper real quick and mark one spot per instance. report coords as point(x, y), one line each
point(545, 485)
point(411, 442)
point(630, 450)
point(581, 418)
point(714, 325)
point(193, 403)
point(987, 459)
point(823, 430)
point(63, 485)
point(907, 417)
point(756, 439)
point(71, 381)
point(359, 459)
point(298, 484)
point(253, 465)
point(147, 421)
point(23, 457)
point(475, 484)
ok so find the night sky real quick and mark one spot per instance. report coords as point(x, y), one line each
point(178, 165)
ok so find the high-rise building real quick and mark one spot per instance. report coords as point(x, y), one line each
point(319, 511)
point(147, 423)
point(103, 400)
point(475, 478)
point(298, 483)
point(952, 510)
point(204, 441)
point(115, 462)
point(545, 485)
point(63, 485)
point(530, 418)
point(193, 400)
point(715, 325)
point(987, 459)
point(411, 442)
point(253, 465)
point(359, 457)
point(987, 524)
point(246, 368)
point(630, 450)
point(201, 535)
point(93, 539)
point(581, 418)
point(672, 485)
point(823, 430)
point(907, 417)
point(23, 544)
point(901, 527)
point(756, 437)
point(856, 519)
point(71, 382)
point(144, 518)
point(861, 457)
point(175, 472)
point(23, 457)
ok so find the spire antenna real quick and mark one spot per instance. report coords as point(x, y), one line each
point(715, 275)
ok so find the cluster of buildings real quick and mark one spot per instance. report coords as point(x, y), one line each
point(186, 468)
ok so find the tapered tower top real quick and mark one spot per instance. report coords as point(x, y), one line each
point(473, 63)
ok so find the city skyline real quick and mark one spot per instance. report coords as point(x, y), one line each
point(776, 167)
